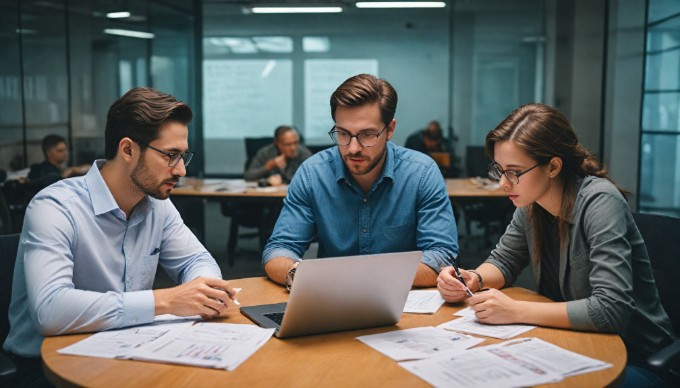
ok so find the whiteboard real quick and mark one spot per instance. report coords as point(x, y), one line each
point(246, 97)
point(322, 77)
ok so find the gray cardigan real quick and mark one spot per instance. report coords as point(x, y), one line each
point(604, 272)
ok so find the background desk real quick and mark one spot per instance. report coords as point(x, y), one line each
point(334, 359)
point(461, 188)
point(461, 191)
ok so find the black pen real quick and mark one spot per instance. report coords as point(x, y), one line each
point(459, 276)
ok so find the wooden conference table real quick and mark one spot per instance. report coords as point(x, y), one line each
point(334, 359)
point(460, 188)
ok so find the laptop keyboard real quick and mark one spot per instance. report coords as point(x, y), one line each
point(276, 317)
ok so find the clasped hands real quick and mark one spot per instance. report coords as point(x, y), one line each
point(279, 161)
point(202, 296)
point(490, 305)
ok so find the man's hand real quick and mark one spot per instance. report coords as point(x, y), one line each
point(281, 162)
point(202, 296)
point(275, 180)
point(277, 162)
point(450, 288)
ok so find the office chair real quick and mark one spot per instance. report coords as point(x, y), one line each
point(318, 148)
point(661, 235)
point(486, 213)
point(5, 216)
point(247, 214)
point(17, 196)
point(8, 253)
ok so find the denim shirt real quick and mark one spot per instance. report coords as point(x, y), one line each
point(83, 267)
point(406, 209)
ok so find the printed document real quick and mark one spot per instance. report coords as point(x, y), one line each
point(205, 344)
point(420, 342)
point(470, 324)
point(516, 363)
point(423, 302)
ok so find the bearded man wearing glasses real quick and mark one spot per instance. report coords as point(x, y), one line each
point(90, 245)
point(365, 196)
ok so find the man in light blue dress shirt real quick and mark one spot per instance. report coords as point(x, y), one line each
point(366, 195)
point(90, 245)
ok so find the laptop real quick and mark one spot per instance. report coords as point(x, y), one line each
point(342, 293)
point(443, 159)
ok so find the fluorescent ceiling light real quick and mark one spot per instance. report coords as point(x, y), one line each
point(129, 33)
point(296, 9)
point(401, 4)
point(118, 15)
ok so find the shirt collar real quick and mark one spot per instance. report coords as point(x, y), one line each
point(341, 172)
point(101, 197)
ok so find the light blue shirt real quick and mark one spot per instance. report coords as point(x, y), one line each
point(406, 209)
point(82, 267)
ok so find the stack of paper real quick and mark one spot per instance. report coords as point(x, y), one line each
point(469, 324)
point(423, 302)
point(516, 363)
point(205, 344)
point(421, 342)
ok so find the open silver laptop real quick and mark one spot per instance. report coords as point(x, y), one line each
point(341, 293)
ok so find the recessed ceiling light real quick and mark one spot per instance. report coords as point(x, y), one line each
point(296, 9)
point(400, 4)
point(129, 33)
point(118, 15)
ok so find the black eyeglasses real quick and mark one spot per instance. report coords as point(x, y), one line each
point(365, 138)
point(495, 173)
point(173, 157)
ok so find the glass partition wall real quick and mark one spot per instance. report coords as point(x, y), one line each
point(64, 62)
point(466, 65)
point(660, 136)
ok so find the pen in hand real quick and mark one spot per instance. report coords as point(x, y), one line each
point(233, 296)
point(460, 279)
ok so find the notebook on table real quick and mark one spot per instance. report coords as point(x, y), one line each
point(342, 293)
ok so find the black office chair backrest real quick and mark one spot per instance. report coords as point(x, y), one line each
point(254, 144)
point(662, 240)
point(476, 162)
point(9, 244)
point(318, 148)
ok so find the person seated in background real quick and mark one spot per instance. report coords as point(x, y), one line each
point(431, 141)
point(574, 228)
point(278, 162)
point(91, 245)
point(366, 195)
point(53, 168)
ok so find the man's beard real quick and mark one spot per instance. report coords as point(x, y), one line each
point(145, 182)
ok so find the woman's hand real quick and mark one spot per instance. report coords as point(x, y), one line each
point(451, 289)
point(493, 306)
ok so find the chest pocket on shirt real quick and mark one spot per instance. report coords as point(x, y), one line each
point(398, 238)
point(147, 271)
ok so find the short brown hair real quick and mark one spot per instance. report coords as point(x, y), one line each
point(138, 114)
point(365, 89)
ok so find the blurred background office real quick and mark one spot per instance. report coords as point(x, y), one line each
point(613, 68)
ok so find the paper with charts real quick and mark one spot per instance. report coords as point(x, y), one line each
point(204, 344)
point(516, 363)
point(469, 324)
point(423, 302)
point(420, 342)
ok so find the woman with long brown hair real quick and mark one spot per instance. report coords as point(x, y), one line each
point(574, 228)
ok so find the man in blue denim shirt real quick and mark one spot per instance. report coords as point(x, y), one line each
point(366, 195)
